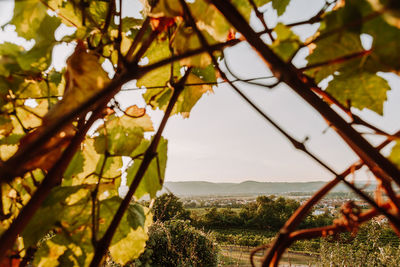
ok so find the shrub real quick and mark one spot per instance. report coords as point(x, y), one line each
point(177, 243)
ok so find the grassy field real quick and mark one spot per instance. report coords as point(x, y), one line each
point(201, 211)
point(239, 256)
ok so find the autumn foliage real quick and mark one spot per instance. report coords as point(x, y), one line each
point(63, 135)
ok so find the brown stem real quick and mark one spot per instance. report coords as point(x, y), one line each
point(109, 16)
point(138, 38)
point(105, 241)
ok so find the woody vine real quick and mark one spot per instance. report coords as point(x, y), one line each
point(59, 184)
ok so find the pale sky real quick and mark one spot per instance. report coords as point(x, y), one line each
point(224, 140)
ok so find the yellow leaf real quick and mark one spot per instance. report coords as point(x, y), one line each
point(133, 244)
point(84, 78)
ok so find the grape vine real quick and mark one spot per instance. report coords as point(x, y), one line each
point(61, 158)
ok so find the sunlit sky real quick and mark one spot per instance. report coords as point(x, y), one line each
point(224, 140)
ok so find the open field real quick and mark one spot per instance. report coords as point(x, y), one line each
point(239, 256)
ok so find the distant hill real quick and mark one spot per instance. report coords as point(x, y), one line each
point(198, 188)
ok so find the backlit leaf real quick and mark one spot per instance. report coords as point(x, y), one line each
point(331, 48)
point(363, 90)
point(82, 82)
point(130, 247)
point(188, 98)
point(28, 16)
point(48, 214)
point(286, 43)
point(121, 135)
point(395, 154)
point(154, 177)
point(280, 6)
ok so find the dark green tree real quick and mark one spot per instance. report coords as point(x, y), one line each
point(167, 207)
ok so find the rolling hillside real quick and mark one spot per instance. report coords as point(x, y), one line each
point(246, 188)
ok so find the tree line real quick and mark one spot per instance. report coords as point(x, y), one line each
point(267, 213)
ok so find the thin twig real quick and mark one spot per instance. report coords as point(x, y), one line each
point(150, 153)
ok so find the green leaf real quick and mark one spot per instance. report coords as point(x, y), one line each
point(75, 166)
point(260, 3)
point(134, 217)
point(132, 245)
point(28, 16)
point(67, 11)
point(188, 98)
point(190, 95)
point(111, 170)
point(83, 80)
point(123, 133)
point(362, 89)
point(48, 214)
point(158, 50)
point(82, 171)
point(186, 39)
point(154, 177)
point(385, 46)
point(333, 47)
point(131, 24)
point(48, 254)
point(286, 43)
point(206, 74)
point(32, 117)
point(72, 240)
point(9, 53)
point(244, 7)
point(280, 6)
point(395, 154)
point(210, 20)
point(120, 140)
point(98, 11)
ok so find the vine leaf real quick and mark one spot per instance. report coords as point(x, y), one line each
point(66, 212)
point(159, 98)
point(186, 39)
point(362, 89)
point(121, 135)
point(48, 214)
point(395, 154)
point(330, 48)
point(82, 82)
point(39, 57)
point(28, 17)
point(130, 239)
point(86, 165)
point(158, 50)
point(190, 95)
point(280, 6)
point(286, 43)
point(154, 177)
